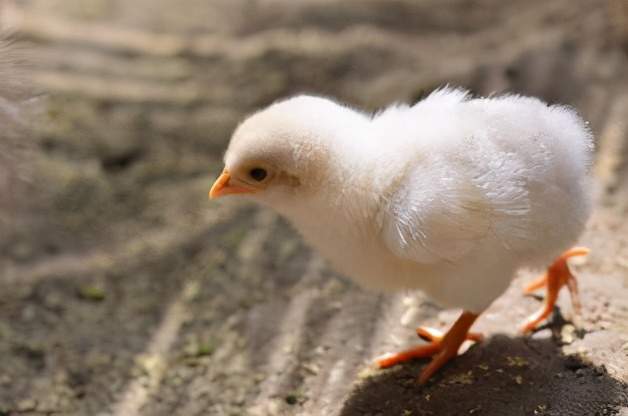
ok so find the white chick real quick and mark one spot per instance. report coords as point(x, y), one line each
point(449, 196)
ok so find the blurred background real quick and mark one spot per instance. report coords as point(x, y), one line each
point(124, 291)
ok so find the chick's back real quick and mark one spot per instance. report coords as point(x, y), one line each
point(504, 175)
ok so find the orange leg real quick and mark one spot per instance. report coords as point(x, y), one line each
point(441, 348)
point(557, 276)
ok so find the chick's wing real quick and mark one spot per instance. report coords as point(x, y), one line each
point(445, 209)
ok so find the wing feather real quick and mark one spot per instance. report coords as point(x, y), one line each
point(457, 204)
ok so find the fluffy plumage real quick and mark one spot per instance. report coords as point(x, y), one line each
point(450, 196)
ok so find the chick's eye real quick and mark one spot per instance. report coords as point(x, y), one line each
point(258, 174)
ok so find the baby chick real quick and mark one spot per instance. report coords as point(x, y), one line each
point(451, 195)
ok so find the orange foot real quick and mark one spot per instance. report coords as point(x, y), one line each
point(557, 276)
point(441, 348)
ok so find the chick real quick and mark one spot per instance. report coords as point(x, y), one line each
point(451, 195)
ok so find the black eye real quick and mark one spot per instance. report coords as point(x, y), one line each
point(258, 174)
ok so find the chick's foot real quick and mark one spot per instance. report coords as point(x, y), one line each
point(557, 276)
point(441, 347)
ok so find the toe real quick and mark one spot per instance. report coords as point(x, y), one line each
point(429, 334)
point(421, 351)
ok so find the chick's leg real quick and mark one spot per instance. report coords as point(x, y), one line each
point(557, 276)
point(441, 348)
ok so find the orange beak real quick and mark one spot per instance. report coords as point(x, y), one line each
point(222, 187)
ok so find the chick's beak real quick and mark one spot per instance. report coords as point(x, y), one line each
point(223, 187)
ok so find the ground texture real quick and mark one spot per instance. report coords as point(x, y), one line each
point(124, 292)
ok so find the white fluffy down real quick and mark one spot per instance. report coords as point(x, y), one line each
point(451, 195)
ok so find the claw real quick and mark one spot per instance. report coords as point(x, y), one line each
point(433, 334)
point(557, 276)
point(441, 347)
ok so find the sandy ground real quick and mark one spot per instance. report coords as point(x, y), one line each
point(123, 291)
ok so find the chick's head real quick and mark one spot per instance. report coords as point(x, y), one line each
point(282, 152)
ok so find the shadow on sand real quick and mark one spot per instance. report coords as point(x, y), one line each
point(504, 376)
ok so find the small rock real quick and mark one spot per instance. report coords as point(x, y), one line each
point(568, 334)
